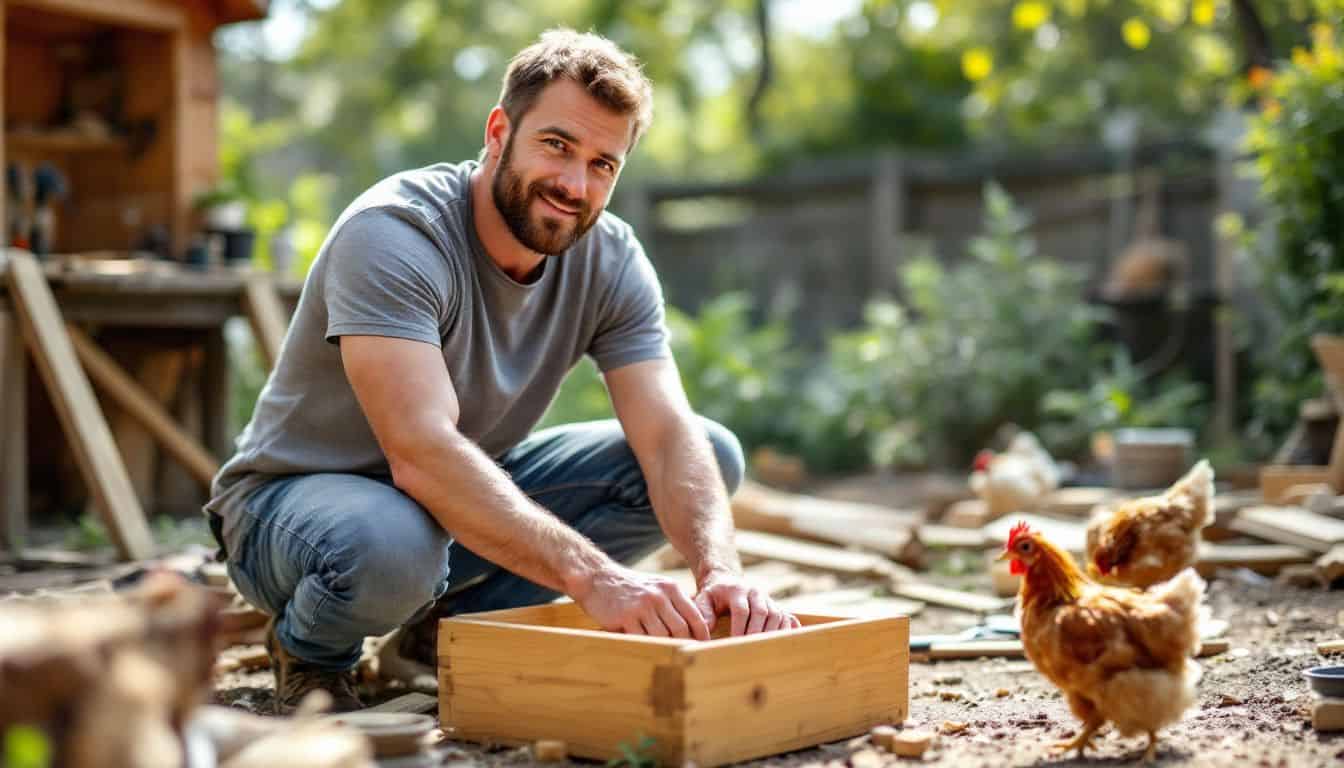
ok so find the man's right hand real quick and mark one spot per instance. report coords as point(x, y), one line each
point(625, 600)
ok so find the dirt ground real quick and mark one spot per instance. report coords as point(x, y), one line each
point(1252, 710)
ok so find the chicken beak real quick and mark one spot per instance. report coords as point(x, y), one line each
point(1004, 555)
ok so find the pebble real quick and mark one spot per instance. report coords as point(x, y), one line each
point(953, 726)
point(1002, 693)
point(950, 695)
point(1229, 700)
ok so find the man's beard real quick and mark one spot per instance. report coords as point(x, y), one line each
point(551, 235)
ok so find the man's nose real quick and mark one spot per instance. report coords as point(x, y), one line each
point(573, 182)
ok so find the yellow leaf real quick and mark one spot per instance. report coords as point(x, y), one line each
point(1202, 12)
point(1301, 57)
point(1030, 14)
point(1074, 8)
point(977, 63)
point(1171, 11)
point(1136, 33)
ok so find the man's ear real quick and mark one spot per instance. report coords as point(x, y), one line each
point(496, 132)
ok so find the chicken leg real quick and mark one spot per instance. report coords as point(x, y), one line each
point(1083, 740)
point(1151, 753)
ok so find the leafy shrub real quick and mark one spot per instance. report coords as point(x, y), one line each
point(979, 345)
point(1298, 140)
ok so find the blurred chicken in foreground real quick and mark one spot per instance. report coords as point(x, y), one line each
point(1118, 655)
point(1016, 480)
point(1147, 540)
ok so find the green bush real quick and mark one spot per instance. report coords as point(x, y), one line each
point(741, 375)
point(1298, 140)
point(979, 345)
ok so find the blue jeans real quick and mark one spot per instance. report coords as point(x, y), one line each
point(337, 557)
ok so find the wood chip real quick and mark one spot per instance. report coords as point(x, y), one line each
point(1329, 647)
point(954, 726)
point(1327, 715)
point(1213, 647)
point(884, 736)
point(911, 743)
point(550, 751)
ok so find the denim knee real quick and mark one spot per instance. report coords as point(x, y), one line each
point(728, 452)
point(390, 572)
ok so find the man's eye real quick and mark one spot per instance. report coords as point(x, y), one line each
point(555, 144)
point(606, 167)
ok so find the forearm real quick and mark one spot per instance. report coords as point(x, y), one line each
point(691, 503)
point(476, 502)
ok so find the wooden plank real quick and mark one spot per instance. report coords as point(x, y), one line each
point(952, 537)
point(809, 555)
point(14, 435)
point(1330, 566)
point(856, 603)
point(1070, 535)
point(411, 704)
point(974, 649)
point(1330, 647)
point(592, 690)
point(766, 694)
point(145, 14)
point(159, 372)
point(1076, 502)
point(1266, 559)
point(1277, 479)
point(950, 598)
point(141, 406)
point(1330, 354)
point(874, 528)
point(1291, 525)
point(267, 316)
point(71, 394)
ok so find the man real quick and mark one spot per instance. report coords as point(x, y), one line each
point(388, 478)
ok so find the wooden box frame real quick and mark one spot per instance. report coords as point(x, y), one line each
point(547, 672)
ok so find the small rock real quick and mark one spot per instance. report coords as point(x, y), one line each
point(948, 680)
point(949, 695)
point(1272, 618)
point(952, 726)
point(1240, 653)
point(866, 758)
point(1002, 693)
point(1229, 700)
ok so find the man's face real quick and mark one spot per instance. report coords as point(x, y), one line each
point(558, 167)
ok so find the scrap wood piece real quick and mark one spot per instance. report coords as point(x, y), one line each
point(883, 530)
point(1077, 501)
point(142, 406)
point(951, 537)
point(72, 396)
point(950, 598)
point(266, 314)
point(773, 578)
point(972, 649)
point(414, 703)
point(1291, 525)
point(1069, 535)
point(1265, 559)
point(1213, 647)
point(1330, 646)
point(1330, 566)
point(1329, 352)
point(1277, 479)
point(819, 556)
point(857, 602)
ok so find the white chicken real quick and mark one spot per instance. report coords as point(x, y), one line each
point(1016, 480)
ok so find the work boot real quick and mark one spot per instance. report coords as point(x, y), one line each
point(295, 679)
point(420, 640)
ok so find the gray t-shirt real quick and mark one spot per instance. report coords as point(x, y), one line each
point(404, 260)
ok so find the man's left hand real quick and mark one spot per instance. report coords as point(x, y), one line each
point(750, 609)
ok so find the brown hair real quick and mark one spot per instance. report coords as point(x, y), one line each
point(611, 75)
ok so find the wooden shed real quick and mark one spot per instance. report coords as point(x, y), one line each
point(118, 99)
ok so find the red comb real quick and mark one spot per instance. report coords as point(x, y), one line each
point(1016, 531)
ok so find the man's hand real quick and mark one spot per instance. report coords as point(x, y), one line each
point(636, 603)
point(751, 610)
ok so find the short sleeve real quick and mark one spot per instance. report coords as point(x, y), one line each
point(385, 276)
point(632, 325)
